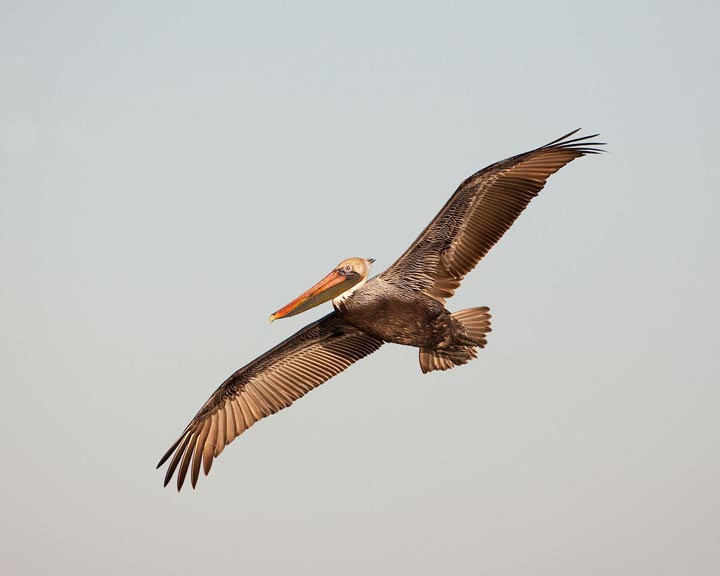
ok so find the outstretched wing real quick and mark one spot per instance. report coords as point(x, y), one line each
point(268, 384)
point(478, 214)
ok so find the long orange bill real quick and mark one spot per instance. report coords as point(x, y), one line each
point(329, 287)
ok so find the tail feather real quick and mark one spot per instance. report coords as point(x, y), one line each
point(443, 359)
point(476, 322)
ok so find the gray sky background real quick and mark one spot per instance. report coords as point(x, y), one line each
point(172, 173)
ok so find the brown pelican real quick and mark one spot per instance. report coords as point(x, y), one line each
point(405, 305)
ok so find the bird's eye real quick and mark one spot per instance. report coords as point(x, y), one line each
point(347, 268)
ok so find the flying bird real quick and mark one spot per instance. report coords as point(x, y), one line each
point(405, 304)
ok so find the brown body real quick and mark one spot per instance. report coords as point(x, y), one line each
point(398, 316)
point(403, 305)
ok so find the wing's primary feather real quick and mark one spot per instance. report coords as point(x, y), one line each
point(268, 384)
point(476, 216)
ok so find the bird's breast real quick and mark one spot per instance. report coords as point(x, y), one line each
point(395, 315)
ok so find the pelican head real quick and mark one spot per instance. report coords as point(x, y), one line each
point(346, 277)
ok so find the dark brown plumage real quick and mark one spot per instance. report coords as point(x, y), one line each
point(479, 212)
point(405, 304)
point(269, 383)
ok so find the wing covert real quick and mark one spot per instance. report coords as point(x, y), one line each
point(268, 384)
point(476, 216)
